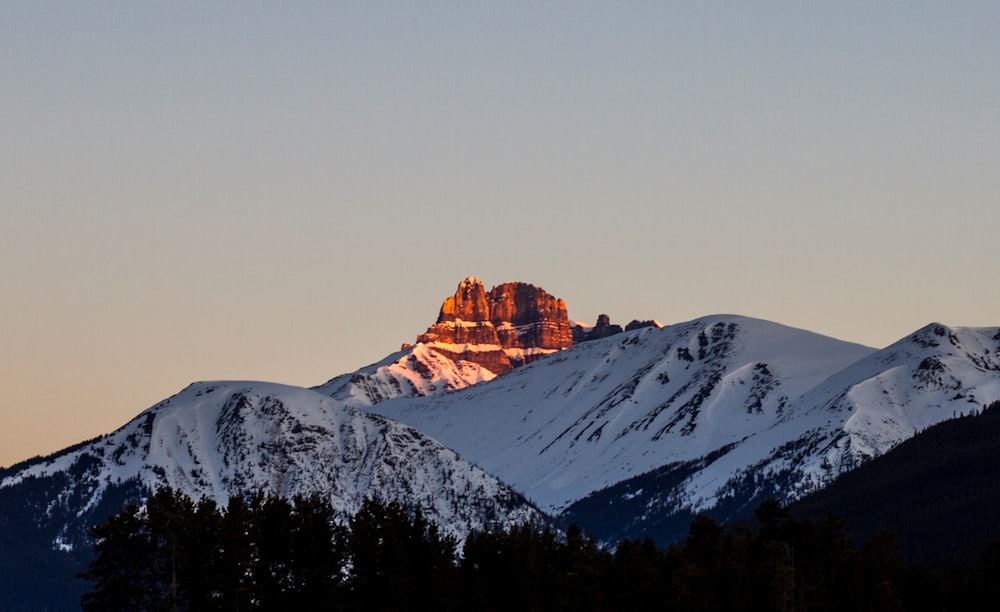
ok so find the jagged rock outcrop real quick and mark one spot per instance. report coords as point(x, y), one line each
point(637, 324)
point(508, 326)
point(468, 304)
point(604, 328)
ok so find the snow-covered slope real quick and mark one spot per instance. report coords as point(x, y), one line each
point(607, 410)
point(413, 372)
point(217, 439)
point(712, 415)
point(934, 374)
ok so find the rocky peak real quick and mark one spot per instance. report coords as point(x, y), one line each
point(526, 316)
point(500, 329)
point(468, 304)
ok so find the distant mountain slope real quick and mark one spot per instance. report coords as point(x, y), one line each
point(217, 439)
point(648, 428)
point(231, 438)
point(939, 492)
point(930, 376)
point(413, 372)
point(610, 409)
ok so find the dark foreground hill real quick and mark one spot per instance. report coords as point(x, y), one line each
point(939, 492)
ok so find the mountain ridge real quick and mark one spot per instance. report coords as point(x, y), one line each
point(671, 371)
point(221, 438)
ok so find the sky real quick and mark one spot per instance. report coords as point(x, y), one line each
point(287, 191)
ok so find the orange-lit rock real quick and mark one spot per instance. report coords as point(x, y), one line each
point(468, 304)
point(509, 326)
point(538, 319)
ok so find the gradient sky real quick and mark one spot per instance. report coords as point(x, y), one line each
point(287, 191)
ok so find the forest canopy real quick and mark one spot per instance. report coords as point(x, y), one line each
point(267, 553)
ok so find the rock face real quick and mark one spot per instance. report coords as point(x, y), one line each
point(500, 329)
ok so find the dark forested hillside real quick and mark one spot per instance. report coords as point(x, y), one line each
point(268, 553)
point(34, 574)
point(939, 492)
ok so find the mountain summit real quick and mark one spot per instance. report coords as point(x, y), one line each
point(478, 335)
point(506, 327)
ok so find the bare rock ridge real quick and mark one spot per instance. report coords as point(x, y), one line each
point(506, 327)
point(604, 328)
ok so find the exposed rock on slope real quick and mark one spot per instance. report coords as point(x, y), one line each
point(604, 328)
point(601, 329)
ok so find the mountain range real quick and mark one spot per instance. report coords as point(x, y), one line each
point(504, 412)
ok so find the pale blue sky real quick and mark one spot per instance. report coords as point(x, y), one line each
point(287, 191)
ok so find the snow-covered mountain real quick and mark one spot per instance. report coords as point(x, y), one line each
point(610, 409)
point(626, 433)
point(712, 415)
point(218, 439)
point(934, 374)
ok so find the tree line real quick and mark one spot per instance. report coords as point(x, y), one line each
point(269, 553)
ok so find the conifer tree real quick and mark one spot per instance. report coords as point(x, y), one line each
point(120, 570)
